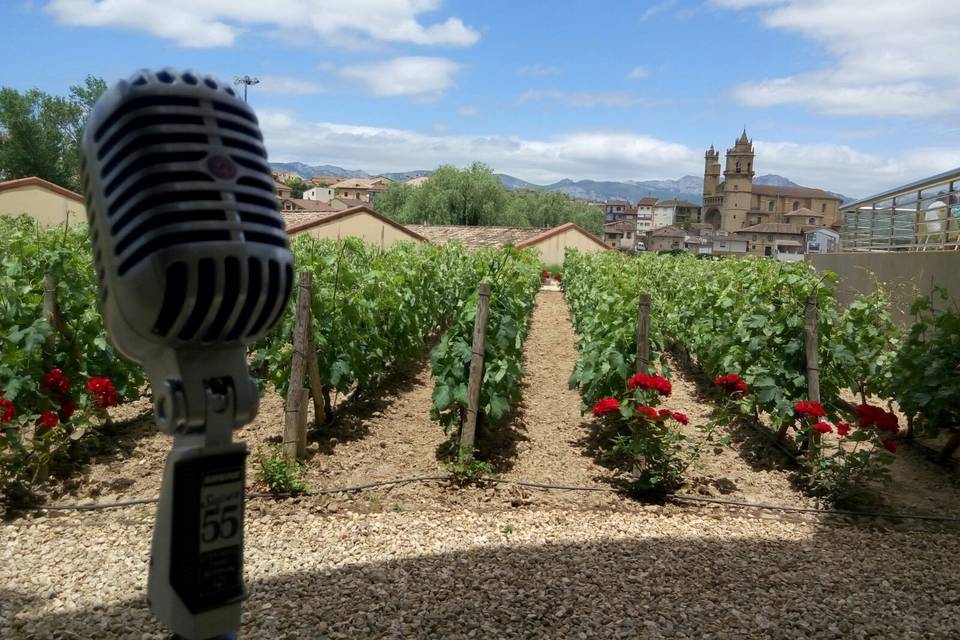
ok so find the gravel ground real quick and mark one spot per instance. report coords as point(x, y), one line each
point(663, 572)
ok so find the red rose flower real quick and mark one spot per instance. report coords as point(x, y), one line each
point(545, 275)
point(731, 384)
point(843, 429)
point(890, 445)
point(67, 409)
point(52, 378)
point(7, 410)
point(606, 405)
point(811, 409)
point(49, 419)
point(680, 417)
point(557, 277)
point(103, 391)
point(823, 427)
point(646, 381)
point(648, 412)
point(887, 421)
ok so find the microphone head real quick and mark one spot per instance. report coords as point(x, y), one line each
point(188, 241)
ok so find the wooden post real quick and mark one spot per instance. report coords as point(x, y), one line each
point(316, 386)
point(643, 334)
point(50, 310)
point(295, 403)
point(813, 364)
point(469, 431)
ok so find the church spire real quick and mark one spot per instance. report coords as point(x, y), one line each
point(743, 136)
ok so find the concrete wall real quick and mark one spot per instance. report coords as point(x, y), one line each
point(46, 207)
point(552, 249)
point(361, 225)
point(903, 275)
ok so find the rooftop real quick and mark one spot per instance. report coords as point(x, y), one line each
point(474, 237)
point(772, 227)
point(793, 192)
point(40, 182)
point(647, 202)
point(309, 205)
point(668, 232)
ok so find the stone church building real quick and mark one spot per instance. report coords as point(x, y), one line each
point(736, 203)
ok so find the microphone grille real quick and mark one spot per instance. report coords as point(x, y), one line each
point(179, 193)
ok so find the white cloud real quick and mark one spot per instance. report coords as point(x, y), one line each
point(581, 98)
point(468, 111)
point(217, 23)
point(656, 9)
point(600, 155)
point(537, 69)
point(288, 86)
point(406, 76)
point(611, 155)
point(894, 58)
point(639, 72)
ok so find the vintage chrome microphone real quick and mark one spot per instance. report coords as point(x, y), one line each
point(193, 263)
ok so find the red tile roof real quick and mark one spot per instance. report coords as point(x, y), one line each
point(40, 182)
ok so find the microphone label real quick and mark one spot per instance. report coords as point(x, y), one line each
point(206, 560)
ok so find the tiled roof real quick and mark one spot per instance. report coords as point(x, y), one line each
point(309, 205)
point(620, 226)
point(293, 219)
point(792, 192)
point(351, 202)
point(772, 227)
point(647, 202)
point(474, 237)
point(311, 220)
point(803, 211)
point(369, 184)
point(40, 182)
point(677, 203)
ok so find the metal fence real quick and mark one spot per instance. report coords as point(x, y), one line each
point(920, 216)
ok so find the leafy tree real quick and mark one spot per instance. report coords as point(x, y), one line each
point(391, 201)
point(552, 208)
point(297, 186)
point(40, 134)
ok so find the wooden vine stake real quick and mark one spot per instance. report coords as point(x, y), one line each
point(295, 408)
point(469, 431)
point(643, 334)
point(813, 365)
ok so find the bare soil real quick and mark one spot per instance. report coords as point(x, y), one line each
point(386, 433)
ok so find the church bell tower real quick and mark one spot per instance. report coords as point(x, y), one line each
point(738, 183)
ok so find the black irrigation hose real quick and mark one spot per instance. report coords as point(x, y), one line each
point(522, 483)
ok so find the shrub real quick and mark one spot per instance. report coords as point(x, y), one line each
point(280, 476)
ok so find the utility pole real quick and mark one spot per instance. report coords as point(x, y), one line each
point(246, 81)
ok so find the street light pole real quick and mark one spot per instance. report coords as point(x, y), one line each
point(246, 81)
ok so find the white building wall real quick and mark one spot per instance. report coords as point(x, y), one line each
point(663, 216)
point(320, 194)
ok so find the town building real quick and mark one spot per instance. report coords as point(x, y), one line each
point(417, 181)
point(302, 204)
point(679, 213)
point(321, 194)
point(780, 240)
point(363, 189)
point(736, 202)
point(47, 203)
point(357, 222)
point(821, 240)
point(614, 210)
point(666, 239)
point(283, 191)
point(622, 235)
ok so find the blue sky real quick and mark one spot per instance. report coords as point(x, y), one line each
point(832, 95)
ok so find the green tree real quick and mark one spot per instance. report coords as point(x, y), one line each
point(391, 201)
point(552, 208)
point(297, 186)
point(40, 134)
point(472, 196)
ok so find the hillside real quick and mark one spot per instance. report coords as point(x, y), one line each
point(685, 188)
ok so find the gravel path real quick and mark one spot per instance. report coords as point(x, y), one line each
point(664, 572)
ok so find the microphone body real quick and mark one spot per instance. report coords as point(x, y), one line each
point(193, 263)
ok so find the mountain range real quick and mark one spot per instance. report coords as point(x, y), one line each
point(685, 188)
